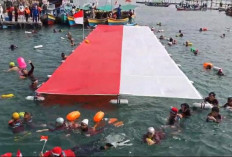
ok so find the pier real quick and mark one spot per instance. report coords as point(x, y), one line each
point(20, 24)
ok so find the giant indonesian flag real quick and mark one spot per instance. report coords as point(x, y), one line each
point(120, 60)
point(79, 17)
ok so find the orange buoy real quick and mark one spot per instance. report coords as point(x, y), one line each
point(208, 65)
point(73, 115)
point(86, 41)
point(98, 116)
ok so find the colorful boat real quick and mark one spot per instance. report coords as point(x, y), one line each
point(94, 22)
point(112, 21)
point(48, 19)
point(71, 21)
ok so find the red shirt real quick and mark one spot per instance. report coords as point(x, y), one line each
point(65, 153)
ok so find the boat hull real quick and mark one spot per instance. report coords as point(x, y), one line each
point(117, 21)
point(48, 19)
point(71, 21)
point(94, 22)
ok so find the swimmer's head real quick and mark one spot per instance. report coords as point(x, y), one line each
point(173, 111)
point(229, 100)
point(11, 64)
point(59, 121)
point(212, 95)
point(215, 111)
point(62, 54)
point(184, 106)
point(27, 115)
point(150, 132)
point(220, 70)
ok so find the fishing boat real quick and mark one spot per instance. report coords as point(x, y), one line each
point(71, 21)
point(49, 18)
point(112, 21)
point(157, 4)
point(94, 22)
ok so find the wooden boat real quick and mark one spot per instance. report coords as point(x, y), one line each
point(71, 21)
point(94, 22)
point(112, 21)
point(48, 19)
point(157, 4)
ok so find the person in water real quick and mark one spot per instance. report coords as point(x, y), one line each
point(15, 123)
point(200, 29)
point(161, 37)
point(58, 152)
point(212, 99)
point(63, 56)
point(27, 120)
point(173, 118)
point(171, 40)
point(220, 73)
point(88, 131)
point(214, 115)
point(181, 35)
point(72, 42)
point(13, 47)
point(54, 31)
point(184, 112)
point(229, 103)
point(69, 36)
point(223, 35)
point(12, 67)
point(152, 136)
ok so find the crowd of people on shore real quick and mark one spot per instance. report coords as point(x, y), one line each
point(22, 12)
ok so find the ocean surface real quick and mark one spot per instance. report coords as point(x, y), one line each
point(195, 137)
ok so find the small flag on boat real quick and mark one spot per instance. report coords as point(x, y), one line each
point(19, 154)
point(43, 138)
point(79, 17)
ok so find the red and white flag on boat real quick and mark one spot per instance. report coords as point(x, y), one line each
point(43, 138)
point(79, 17)
point(19, 154)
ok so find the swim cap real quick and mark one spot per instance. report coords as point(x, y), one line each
point(229, 99)
point(56, 151)
point(12, 64)
point(174, 110)
point(85, 121)
point(15, 116)
point(151, 130)
point(60, 120)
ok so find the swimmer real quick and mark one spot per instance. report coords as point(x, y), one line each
point(12, 67)
point(186, 43)
point(158, 24)
point(27, 120)
point(15, 123)
point(181, 35)
point(214, 115)
point(223, 36)
point(229, 103)
point(59, 126)
point(179, 31)
point(220, 73)
point(161, 37)
point(87, 130)
point(63, 56)
point(200, 29)
point(13, 47)
point(184, 112)
point(174, 42)
point(69, 36)
point(54, 31)
point(60, 30)
point(72, 42)
point(211, 99)
point(170, 39)
point(58, 152)
point(152, 136)
point(195, 52)
point(173, 118)
point(152, 28)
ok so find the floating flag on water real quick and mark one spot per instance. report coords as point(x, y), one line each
point(19, 154)
point(43, 138)
point(79, 17)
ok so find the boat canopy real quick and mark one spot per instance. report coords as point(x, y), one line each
point(123, 7)
point(120, 62)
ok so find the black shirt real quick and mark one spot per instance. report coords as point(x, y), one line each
point(187, 113)
point(214, 102)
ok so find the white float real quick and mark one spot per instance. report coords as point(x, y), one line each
point(119, 101)
point(28, 32)
point(38, 46)
point(49, 76)
point(203, 105)
point(38, 98)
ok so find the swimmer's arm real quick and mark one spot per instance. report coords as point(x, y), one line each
point(211, 118)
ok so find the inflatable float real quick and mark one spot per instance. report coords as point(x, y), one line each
point(98, 116)
point(27, 32)
point(38, 46)
point(21, 62)
point(119, 101)
point(72, 116)
point(38, 98)
point(203, 105)
point(7, 96)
